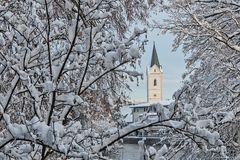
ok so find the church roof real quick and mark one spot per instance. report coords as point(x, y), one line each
point(154, 57)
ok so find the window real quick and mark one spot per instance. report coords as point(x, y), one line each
point(155, 82)
point(154, 70)
point(155, 95)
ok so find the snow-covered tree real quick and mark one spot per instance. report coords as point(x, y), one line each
point(208, 31)
point(63, 67)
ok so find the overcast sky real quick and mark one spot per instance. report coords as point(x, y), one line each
point(172, 63)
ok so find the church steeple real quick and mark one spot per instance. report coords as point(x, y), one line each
point(154, 57)
point(154, 79)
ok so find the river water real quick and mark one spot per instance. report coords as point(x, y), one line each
point(126, 152)
point(129, 152)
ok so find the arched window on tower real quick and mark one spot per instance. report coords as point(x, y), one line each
point(155, 82)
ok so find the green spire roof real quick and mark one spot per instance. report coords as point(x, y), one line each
point(154, 57)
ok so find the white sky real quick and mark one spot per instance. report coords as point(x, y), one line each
point(172, 63)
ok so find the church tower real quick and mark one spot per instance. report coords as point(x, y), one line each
point(154, 79)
